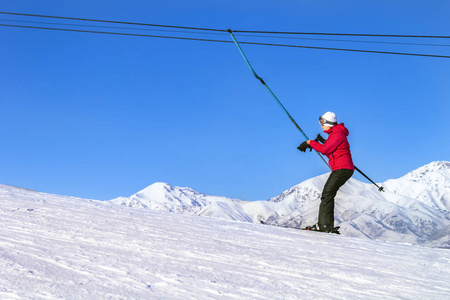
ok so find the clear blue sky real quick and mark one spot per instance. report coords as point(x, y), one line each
point(99, 116)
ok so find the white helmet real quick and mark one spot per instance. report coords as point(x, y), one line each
point(329, 119)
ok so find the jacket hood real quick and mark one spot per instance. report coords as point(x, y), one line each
point(336, 128)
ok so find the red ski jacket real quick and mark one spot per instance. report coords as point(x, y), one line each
point(336, 148)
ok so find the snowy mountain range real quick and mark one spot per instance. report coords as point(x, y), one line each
point(414, 209)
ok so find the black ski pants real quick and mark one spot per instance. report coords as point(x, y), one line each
point(335, 181)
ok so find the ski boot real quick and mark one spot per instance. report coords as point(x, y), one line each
point(323, 228)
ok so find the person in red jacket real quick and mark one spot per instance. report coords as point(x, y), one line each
point(337, 149)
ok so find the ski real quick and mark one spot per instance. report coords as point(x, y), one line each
point(335, 230)
point(308, 228)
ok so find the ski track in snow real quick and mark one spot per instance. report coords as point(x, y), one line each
point(62, 247)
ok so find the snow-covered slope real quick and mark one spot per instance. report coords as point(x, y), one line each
point(414, 208)
point(55, 247)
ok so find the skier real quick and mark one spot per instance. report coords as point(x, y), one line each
point(337, 149)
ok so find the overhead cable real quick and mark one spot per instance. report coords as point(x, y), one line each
point(109, 21)
point(114, 27)
point(235, 31)
point(223, 34)
point(347, 34)
point(223, 41)
point(340, 40)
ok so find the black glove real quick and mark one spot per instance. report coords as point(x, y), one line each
point(303, 146)
point(320, 139)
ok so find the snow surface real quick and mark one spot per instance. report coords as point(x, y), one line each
point(414, 209)
point(62, 247)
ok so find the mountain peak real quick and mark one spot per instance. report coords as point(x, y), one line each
point(157, 187)
point(163, 196)
point(435, 166)
point(434, 173)
point(307, 191)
